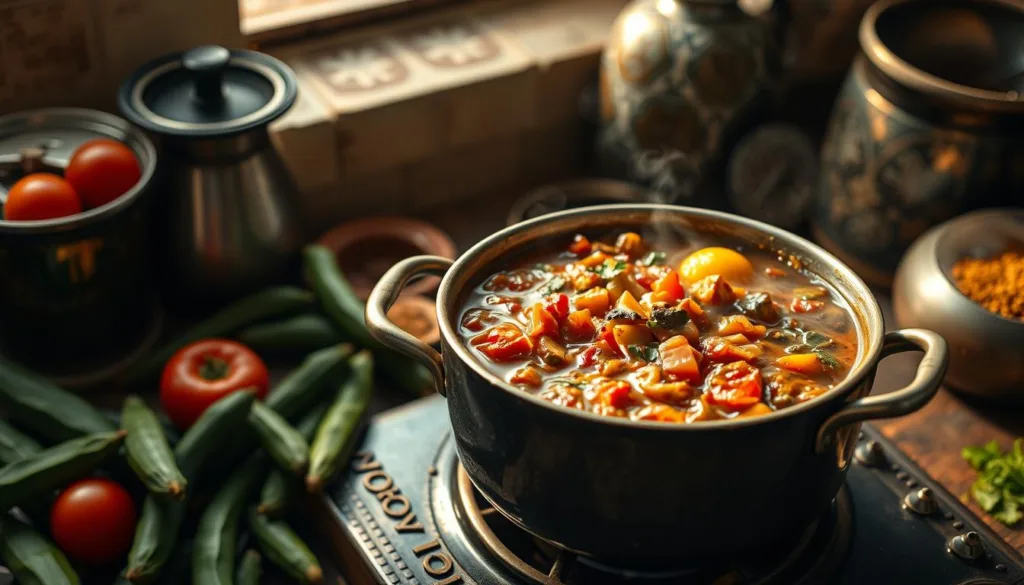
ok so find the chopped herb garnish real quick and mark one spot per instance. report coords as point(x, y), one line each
point(609, 271)
point(827, 359)
point(817, 340)
point(652, 258)
point(671, 320)
point(568, 382)
point(647, 353)
point(622, 314)
point(554, 285)
point(999, 487)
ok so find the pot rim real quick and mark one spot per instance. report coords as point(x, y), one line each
point(917, 79)
point(854, 291)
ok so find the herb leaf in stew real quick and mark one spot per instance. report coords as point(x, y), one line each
point(620, 328)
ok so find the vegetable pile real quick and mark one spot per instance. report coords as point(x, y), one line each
point(178, 495)
point(999, 487)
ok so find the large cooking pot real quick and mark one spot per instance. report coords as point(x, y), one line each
point(640, 492)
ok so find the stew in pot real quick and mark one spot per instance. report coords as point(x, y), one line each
point(624, 329)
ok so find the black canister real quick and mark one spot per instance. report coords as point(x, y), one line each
point(929, 124)
point(74, 291)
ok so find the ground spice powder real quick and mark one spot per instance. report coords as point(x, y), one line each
point(994, 283)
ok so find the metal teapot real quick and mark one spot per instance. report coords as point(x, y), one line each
point(227, 217)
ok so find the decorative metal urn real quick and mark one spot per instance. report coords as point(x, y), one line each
point(678, 79)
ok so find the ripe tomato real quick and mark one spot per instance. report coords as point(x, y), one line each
point(41, 196)
point(93, 521)
point(204, 372)
point(735, 386)
point(102, 170)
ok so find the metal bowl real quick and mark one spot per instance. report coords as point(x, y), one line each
point(986, 350)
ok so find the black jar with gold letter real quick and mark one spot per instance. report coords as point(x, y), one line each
point(929, 124)
point(75, 299)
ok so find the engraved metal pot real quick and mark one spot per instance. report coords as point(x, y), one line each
point(929, 124)
point(634, 492)
point(678, 77)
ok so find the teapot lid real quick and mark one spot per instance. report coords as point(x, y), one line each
point(208, 92)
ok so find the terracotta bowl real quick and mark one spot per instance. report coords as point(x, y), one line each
point(366, 248)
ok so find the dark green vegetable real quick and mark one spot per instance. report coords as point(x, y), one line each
point(306, 385)
point(282, 442)
point(205, 438)
point(268, 304)
point(335, 435)
point(32, 559)
point(155, 537)
point(670, 319)
point(346, 309)
point(148, 451)
point(15, 446)
point(828, 360)
point(45, 409)
point(285, 549)
point(213, 553)
point(250, 569)
point(280, 487)
point(999, 487)
point(298, 335)
point(647, 353)
point(652, 258)
point(759, 306)
point(609, 271)
point(24, 481)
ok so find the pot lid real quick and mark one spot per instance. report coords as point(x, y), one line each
point(208, 91)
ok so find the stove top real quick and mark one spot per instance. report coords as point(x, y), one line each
point(407, 514)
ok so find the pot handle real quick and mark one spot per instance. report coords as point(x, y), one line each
point(385, 293)
point(914, 396)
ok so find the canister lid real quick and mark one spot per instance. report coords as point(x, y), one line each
point(208, 91)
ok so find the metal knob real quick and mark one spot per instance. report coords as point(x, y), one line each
point(207, 64)
point(920, 501)
point(870, 454)
point(967, 546)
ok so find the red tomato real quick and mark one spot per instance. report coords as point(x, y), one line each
point(93, 521)
point(41, 196)
point(204, 372)
point(504, 343)
point(558, 306)
point(102, 170)
point(735, 386)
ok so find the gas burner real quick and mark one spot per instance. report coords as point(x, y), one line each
point(537, 562)
point(407, 514)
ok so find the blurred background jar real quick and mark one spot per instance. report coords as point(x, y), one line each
point(929, 124)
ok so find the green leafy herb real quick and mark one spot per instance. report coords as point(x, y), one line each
point(827, 359)
point(622, 314)
point(568, 382)
point(817, 340)
point(671, 320)
point(999, 487)
point(647, 353)
point(609, 271)
point(552, 286)
point(652, 258)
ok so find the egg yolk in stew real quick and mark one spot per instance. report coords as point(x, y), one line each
point(614, 329)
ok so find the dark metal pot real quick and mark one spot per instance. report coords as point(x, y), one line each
point(74, 291)
point(640, 492)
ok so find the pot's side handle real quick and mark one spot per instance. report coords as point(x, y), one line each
point(914, 396)
point(385, 293)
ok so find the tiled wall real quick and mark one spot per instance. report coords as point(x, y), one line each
point(462, 104)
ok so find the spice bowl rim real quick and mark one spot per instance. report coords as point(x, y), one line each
point(864, 308)
point(131, 136)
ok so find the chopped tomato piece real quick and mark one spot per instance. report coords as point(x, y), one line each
point(580, 246)
point(720, 351)
point(589, 356)
point(607, 337)
point(668, 289)
point(614, 393)
point(504, 343)
point(579, 326)
point(528, 376)
point(805, 305)
point(736, 386)
point(808, 364)
point(558, 306)
point(678, 360)
point(713, 290)
point(595, 300)
point(542, 322)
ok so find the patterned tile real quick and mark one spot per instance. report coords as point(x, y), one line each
point(453, 44)
point(359, 67)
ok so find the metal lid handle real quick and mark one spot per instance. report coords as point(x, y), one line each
point(206, 64)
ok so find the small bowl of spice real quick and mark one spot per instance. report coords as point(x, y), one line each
point(964, 279)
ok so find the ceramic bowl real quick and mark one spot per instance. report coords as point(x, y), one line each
point(986, 350)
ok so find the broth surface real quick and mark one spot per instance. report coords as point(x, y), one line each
point(682, 334)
